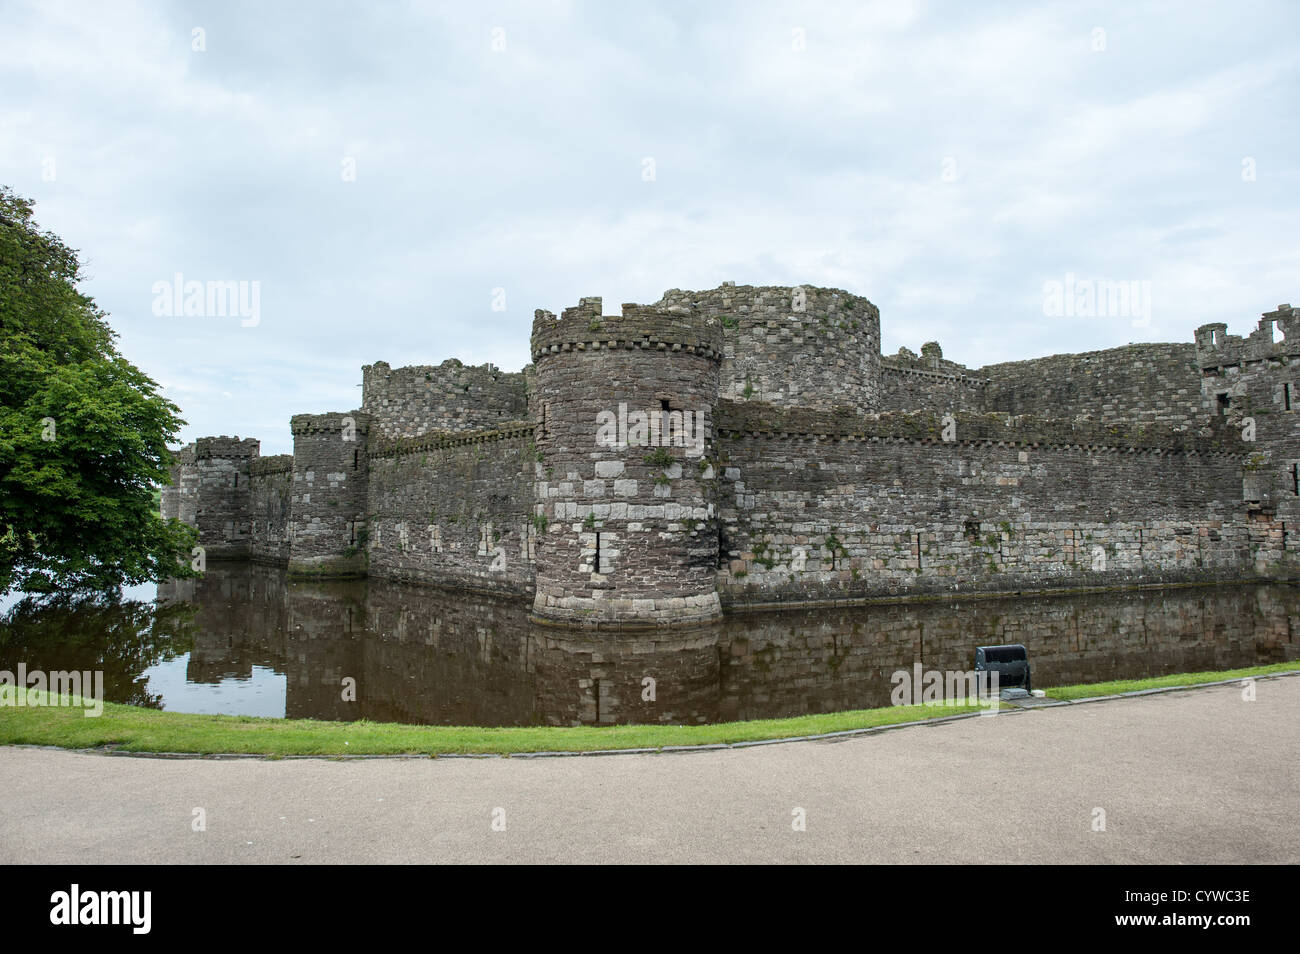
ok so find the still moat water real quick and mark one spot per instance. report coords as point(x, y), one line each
point(242, 640)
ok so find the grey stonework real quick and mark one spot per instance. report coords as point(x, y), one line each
point(408, 402)
point(798, 346)
point(211, 491)
point(328, 498)
point(631, 531)
point(822, 470)
point(270, 506)
point(455, 509)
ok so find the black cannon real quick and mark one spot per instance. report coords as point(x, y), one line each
point(1010, 662)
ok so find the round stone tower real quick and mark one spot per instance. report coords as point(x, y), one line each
point(795, 346)
point(624, 407)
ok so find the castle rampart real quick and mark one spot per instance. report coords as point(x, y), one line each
point(908, 387)
point(885, 506)
point(1155, 383)
point(455, 508)
point(422, 399)
point(745, 445)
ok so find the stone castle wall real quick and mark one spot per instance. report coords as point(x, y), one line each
point(408, 402)
point(455, 509)
point(907, 388)
point(222, 488)
point(270, 492)
point(824, 508)
point(180, 498)
point(1148, 383)
point(781, 459)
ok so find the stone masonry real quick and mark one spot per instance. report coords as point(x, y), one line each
point(750, 445)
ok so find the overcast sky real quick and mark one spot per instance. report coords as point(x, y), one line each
point(944, 160)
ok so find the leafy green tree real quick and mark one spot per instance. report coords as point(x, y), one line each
point(83, 432)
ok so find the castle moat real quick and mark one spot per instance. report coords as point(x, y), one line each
point(244, 640)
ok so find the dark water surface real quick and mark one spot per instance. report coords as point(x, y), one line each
point(242, 640)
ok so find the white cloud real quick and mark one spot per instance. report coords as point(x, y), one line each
point(522, 170)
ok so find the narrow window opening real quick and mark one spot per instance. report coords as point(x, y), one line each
point(1295, 479)
point(1224, 402)
point(356, 457)
point(236, 481)
point(1286, 395)
point(598, 552)
point(595, 691)
point(918, 551)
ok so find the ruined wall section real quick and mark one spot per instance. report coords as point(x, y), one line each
point(328, 497)
point(1148, 383)
point(630, 528)
point(792, 346)
point(455, 509)
point(421, 399)
point(270, 491)
point(222, 495)
point(928, 382)
point(823, 507)
point(1251, 391)
point(180, 498)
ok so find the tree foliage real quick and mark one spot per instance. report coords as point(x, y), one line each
point(83, 432)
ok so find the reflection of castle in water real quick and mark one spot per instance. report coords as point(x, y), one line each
point(423, 655)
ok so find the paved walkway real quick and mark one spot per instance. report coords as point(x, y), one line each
point(1197, 776)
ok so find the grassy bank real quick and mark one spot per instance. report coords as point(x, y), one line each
point(149, 730)
point(1087, 690)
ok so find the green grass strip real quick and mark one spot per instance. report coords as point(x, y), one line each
point(149, 730)
point(1087, 690)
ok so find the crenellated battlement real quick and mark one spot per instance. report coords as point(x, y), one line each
point(334, 422)
point(266, 466)
point(226, 447)
point(452, 396)
point(1215, 348)
point(655, 327)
